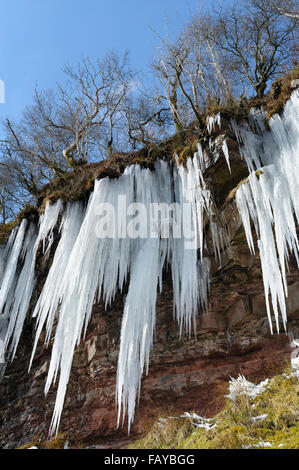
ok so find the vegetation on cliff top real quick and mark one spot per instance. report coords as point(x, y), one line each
point(222, 60)
point(78, 183)
point(268, 420)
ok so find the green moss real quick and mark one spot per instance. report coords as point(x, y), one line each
point(167, 433)
point(235, 426)
point(286, 439)
point(281, 92)
point(232, 193)
point(58, 442)
point(34, 442)
point(239, 236)
point(5, 230)
point(184, 152)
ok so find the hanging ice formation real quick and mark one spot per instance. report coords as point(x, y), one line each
point(95, 258)
point(211, 121)
point(270, 197)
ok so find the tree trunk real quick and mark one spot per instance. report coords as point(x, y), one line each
point(260, 90)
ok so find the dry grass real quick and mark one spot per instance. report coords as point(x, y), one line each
point(236, 427)
point(57, 442)
point(281, 92)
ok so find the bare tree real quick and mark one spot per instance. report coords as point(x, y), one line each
point(101, 90)
point(179, 66)
point(256, 39)
point(169, 73)
point(147, 119)
point(285, 7)
point(193, 72)
point(11, 195)
point(207, 70)
point(82, 121)
point(63, 129)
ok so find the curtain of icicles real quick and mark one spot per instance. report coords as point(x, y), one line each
point(94, 258)
point(270, 198)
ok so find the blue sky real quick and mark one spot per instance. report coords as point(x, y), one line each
point(37, 37)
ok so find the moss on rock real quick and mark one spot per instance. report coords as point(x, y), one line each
point(270, 420)
point(57, 442)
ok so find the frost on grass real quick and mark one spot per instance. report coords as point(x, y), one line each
point(199, 421)
point(241, 386)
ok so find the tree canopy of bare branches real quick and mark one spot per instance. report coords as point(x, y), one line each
point(103, 106)
point(256, 39)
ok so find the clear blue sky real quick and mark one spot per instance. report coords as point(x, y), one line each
point(37, 37)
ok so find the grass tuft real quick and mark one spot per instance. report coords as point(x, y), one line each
point(270, 420)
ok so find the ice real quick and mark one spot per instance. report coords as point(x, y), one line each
point(199, 421)
point(270, 200)
point(95, 259)
point(226, 154)
point(138, 326)
point(23, 292)
point(259, 418)
point(95, 265)
point(9, 256)
point(3, 329)
point(17, 284)
point(48, 302)
point(241, 386)
point(211, 121)
point(47, 223)
point(263, 444)
point(14, 251)
point(2, 262)
point(98, 265)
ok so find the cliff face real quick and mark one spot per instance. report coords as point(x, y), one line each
point(185, 373)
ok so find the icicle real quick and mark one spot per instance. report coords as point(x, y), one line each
point(16, 289)
point(270, 199)
point(2, 262)
point(11, 265)
point(99, 263)
point(23, 293)
point(47, 222)
point(226, 154)
point(93, 259)
point(211, 121)
point(48, 302)
point(190, 276)
point(137, 326)
point(94, 262)
point(3, 329)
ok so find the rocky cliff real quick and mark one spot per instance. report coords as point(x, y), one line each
point(186, 372)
